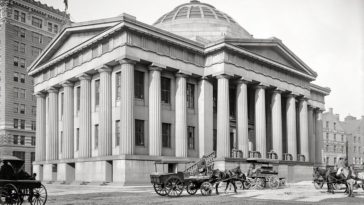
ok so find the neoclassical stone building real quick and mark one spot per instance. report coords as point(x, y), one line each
point(114, 95)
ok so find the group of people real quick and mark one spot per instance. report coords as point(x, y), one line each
point(10, 173)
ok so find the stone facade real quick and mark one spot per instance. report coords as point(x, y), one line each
point(142, 94)
point(355, 129)
point(26, 28)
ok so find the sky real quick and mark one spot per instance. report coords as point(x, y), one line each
point(328, 35)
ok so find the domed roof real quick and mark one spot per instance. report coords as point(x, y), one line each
point(196, 19)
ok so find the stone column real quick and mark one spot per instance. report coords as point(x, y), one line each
point(155, 123)
point(291, 126)
point(127, 107)
point(85, 117)
point(40, 145)
point(242, 117)
point(304, 129)
point(205, 117)
point(105, 112)
point(181, 116)
point(52, 139)
point(276, 107)
point(223, 116)
point(319, 136)
point(311, 134)
point(260, 123)
point(68, 121)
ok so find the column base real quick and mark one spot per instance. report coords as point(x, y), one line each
point(66, 172)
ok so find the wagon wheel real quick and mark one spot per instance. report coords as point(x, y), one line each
point(247, 184)
point(38, 196)
point(9, 195)
point(206, 188)
point(273, 182)
point(192, 188)
point(160, 189)
point(318, 184)
point(259, 183)
point(174, 186)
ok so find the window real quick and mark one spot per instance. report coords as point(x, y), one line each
point(62, 103)
point(37, 22)
point(335, 137)
point(16, 123)
point(95, 52)
point(16, 15)
point(191, 137)
point(22, 78)
point(327, 160)
point(36, 51)
point(354, 139)
point(16, 107)
point(334, 148)
point(77, 139)
point(32, 142)
point(327, 136)
point(166, 135)
point(16, 76)
point(22, 93)
point(327, 148)
point(354, 148)
point(16, 61)
point(34, 125)
point(327, 124)
point(342, 138)
point(22, 140)
point(334, 160)
point(22, 62)
point(15, 139)
point(97, 92)
point(20, 155)
point(50, 27)
point(96, 136)
point(190, 95)
point(166, 90)
point(16, 92)
point(118, 86)
point(22, 33)
point(22, 109)
point(55, 29)
point(359, 139)
point(37, 38)
point(78, 93)
point(22, 17)
point(105, 47)
point(22, 48)
point(16, 46)
point(139, 132)
point(34, 110)
point(139, 84)
point(22, 124)
point(117, 133)
point(334, 125)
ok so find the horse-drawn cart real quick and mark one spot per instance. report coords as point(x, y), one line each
point(264, 173)
point(19, 186)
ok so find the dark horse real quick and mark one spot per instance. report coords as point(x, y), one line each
point(328, 175)
point(229, 177)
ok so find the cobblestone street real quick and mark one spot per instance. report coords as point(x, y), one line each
point(300, 193)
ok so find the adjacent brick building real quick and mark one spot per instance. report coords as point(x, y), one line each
point(355, 128)
point(26, 27)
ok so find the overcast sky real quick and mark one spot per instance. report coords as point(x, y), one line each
point(328, 35)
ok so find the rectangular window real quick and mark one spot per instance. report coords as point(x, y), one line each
point(22, 93)
point(96, 136)
point(166, 135)
point(327, 124)
point(16, 15)
point(22, 109)
point(20, 155)
point(78, 92)
point(15, 139)
point(139, 132)
point(22, 78)
point(22, 48)
point(16, 92)
point(16, 76)
point(62, 103)
point(34, 110)
point(191, 137)
point(16, 46)
point(97, 92)
point(50, 27)
point(55, 28)
point(118, 86)
point(16, 61)
point(36, 51)
point(16, 107)
point(32, 142)
point(22, 17)
point(139, 84)
point(22, 124)
point(77, 139)
point(37, 22)
point(16, 123)
point(95, 52)
point(335, 137)
point(37, 38)
point(105, 47)
point(166, 90)
point(22, 140)
point(190, 90)
point(22, 62)
point(34, 125)
point(117, 133)
point(22, 33)
point(334, 125)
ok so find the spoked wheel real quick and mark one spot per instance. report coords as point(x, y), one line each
point(38, 196)
point(259, 183)
point(224, 187)
point(318, 184)
point(247, 184)
point(192, 188)
point(174, 186)
point(9, 195)
point(160, 189)
point(206, 188)
point(273, 182)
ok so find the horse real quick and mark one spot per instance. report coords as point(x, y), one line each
point(349, 175)
point(228, 176)
point(319, 177)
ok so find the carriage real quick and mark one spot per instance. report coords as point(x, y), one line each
point(265, 174)
point(21, 186)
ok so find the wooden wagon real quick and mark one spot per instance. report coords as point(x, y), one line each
point(264, 174)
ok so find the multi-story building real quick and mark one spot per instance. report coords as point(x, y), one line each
point(26, 28)
point(355, 130)
point(334, 138)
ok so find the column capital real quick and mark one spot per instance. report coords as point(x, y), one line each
point(39, 94)
point(182, 75)
point(127, 61)
point(278, 90)
point(155, 68)
point(225, 76)
point(304, 99)
point(84, 76)
point(104, 68)
point(52, 90)
point(67, 84)
point(243, 81)
point(262, 86)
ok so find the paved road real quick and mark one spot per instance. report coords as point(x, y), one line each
point(300, 193)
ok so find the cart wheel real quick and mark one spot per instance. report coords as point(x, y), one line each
point(259, 183)
point(38, 196)
point(192, 188)
point(206, 188)
point(9, 195)
point(273, 182)
point(160, 189)
point(247, 184)
point(318, 184)
point(174, 186)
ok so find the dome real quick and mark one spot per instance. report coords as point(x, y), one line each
point(196, 20)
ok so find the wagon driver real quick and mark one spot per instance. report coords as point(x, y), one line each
point(6, 171)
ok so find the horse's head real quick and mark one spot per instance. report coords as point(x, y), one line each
point(316, 172)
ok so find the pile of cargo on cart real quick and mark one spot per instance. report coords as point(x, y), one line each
point(201, 176)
